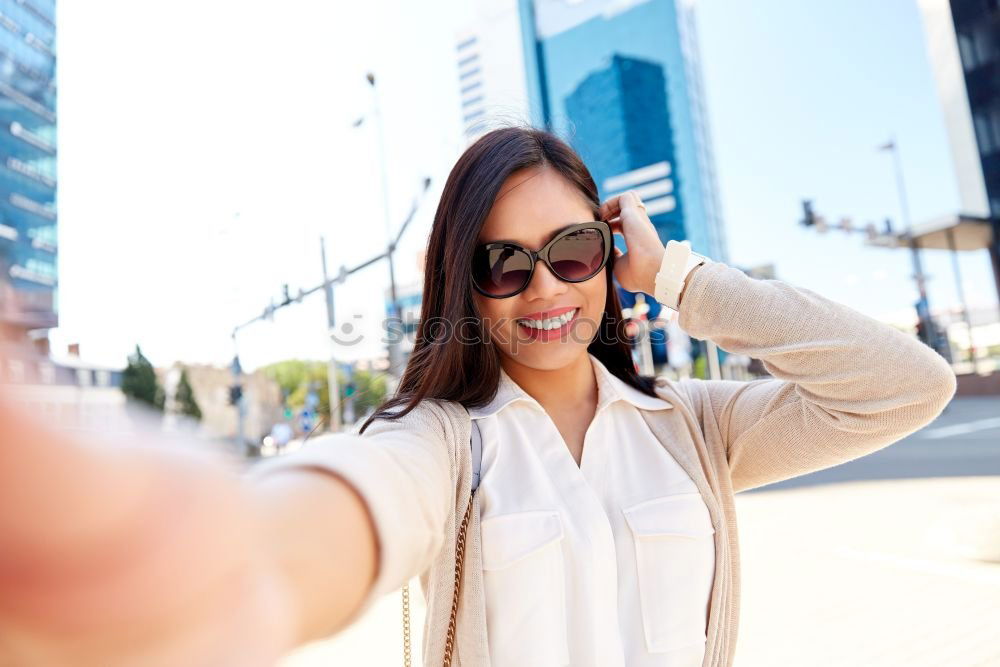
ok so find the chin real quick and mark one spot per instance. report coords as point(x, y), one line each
point(546, 356)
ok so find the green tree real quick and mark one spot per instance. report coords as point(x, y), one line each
point(369, 390)
point(139, 381)
point(700, 368)
point(297, 377)
point(185, 398)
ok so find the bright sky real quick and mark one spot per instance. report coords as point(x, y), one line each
point(205, 148)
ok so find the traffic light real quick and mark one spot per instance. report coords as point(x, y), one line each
point(922, 332)
point(808, 217)
point(349, 389)
point(924, 324)
point(235, 394)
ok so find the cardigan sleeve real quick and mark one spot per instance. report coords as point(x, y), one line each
point(844, 384)
point(403, 472)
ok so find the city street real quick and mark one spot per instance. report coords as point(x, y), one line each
point(481, 197)
point(891, 560)
point(964, 440)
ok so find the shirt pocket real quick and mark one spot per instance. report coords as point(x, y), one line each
point(524, 580)
point(675, 564)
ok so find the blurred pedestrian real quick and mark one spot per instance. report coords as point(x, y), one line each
point(678, 349)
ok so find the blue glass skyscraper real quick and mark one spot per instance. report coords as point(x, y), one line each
point(621, 124)
point(27, 166)
point(621, 81)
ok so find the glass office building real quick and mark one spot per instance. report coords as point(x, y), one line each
point(977, 28)
point(963, 41)
point(620, 80)
point(28, 247)
point(621, 127)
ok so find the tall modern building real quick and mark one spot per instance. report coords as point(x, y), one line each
point(963, 41)
point(28, 278)
point(620, 80)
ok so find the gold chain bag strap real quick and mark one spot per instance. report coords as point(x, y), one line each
point(476, 443)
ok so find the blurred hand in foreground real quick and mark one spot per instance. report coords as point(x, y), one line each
point(138, 556)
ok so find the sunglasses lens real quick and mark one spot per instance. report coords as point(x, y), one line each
point(579, 255)
point(500, 270)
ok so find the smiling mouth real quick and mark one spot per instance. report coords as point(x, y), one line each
point(551, 323)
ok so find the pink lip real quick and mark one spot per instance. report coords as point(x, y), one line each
point(546, 314)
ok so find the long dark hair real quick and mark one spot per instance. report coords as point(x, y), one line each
point(449, 367)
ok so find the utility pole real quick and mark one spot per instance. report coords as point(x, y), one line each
point(331, 369)
point(640, 311)
point(923, 305)
point(395, 360)
point(327, 287)
point(714, 371)
point(236, 397)
point(961, 298)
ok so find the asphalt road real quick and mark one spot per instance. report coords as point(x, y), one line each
point(963, 441)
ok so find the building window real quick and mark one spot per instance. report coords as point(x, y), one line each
point(987, 123)
point(47, 373)
point(474, 115)
point(468, 59)
point(977, 46)
point(84, 377)
point(995, 206)
point(471, 86)
point(466, 44)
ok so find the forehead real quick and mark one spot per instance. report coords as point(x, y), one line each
point(532, 205)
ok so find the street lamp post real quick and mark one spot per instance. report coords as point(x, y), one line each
point(394, 337)
point(918, 271)
point(331, 369)
point(236, 396)
point(327, 287)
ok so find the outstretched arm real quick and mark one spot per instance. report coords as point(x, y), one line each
point(150, 556)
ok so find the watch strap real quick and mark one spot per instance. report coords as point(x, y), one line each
point(678, 262)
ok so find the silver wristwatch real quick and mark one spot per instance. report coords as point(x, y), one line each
point(678, 262)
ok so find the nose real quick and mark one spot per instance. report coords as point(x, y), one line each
point(544, 284)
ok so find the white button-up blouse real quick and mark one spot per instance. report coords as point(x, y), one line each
point(607, 563)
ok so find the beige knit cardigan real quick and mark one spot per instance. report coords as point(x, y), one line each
point(843, 386)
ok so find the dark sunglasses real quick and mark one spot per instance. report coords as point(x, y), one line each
point(577, 253)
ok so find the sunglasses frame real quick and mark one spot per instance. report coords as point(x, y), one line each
point(543, 254)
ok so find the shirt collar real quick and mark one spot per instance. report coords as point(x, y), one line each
point(508, 391)
point(609, 390)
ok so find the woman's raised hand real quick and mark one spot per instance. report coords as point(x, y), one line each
point(636, 269)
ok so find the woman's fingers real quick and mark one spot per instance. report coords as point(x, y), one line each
point(624, 204)
point(635, 269)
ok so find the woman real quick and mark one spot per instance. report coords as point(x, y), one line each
point(603, 530)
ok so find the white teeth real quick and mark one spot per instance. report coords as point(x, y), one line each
point(551, 323)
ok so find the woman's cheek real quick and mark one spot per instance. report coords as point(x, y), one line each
point(497, 321)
